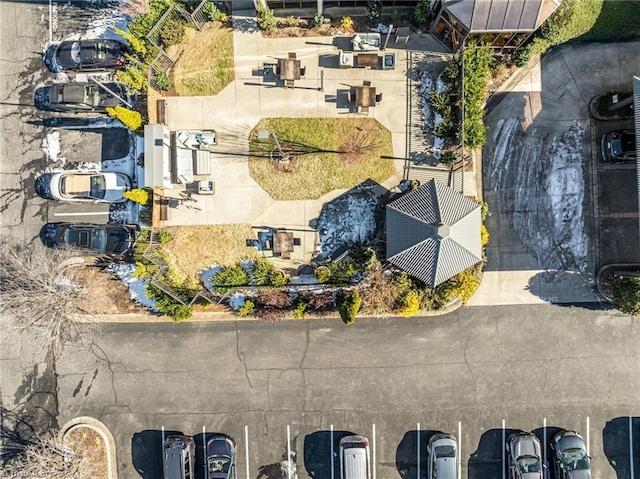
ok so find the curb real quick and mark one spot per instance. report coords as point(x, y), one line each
point(606, 267)
point(599, 117)
point(105, 434)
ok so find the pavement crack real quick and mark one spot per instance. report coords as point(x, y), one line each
point(465, 340)
point(301, 365)
point(100, 354)
point(241, 357)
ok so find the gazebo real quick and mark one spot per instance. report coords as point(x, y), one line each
point(433, 233)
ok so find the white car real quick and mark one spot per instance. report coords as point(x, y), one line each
point(443, 457)
point(94, 186)
point(354, 458)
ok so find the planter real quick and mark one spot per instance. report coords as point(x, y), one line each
point(89, 438)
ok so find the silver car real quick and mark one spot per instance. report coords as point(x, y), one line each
point(571, 459)
point(443, 457)
point(524, 456)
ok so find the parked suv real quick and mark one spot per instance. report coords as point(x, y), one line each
point(443, 457)
point(354, 458)
point(178, 456)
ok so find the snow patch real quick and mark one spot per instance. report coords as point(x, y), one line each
point(136, 285)
point(51, 147)
point(207, 274)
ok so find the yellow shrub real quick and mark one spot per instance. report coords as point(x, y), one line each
point(129, 118)
point(410, 304)
point(484, 235)
point(346, 23)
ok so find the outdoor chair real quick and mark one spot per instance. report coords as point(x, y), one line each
point(303, 70)
point(378, 97)
point(366, 83)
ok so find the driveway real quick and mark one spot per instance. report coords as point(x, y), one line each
point(556, 216)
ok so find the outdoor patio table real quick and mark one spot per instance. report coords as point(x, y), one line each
point(365, 96)
point(367, 60)
point(282, 242)
point(289, 69)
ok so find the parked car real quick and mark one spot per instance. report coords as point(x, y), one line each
point(354, 458)
point(524, 456)
point(96, 186)
point(178, 457)
point(619, 145)
point(221, 458)
point(91, 55)
point(113, 238)
point(443, 457)
point(77, 97)
point(571, 460)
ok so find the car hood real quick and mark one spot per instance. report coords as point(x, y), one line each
point(569, 441)
point(120, 239)
point(116, 184)
point(525, 447)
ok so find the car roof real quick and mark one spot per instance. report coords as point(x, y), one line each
point(446, 468)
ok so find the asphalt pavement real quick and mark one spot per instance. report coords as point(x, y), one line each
point(466, 372)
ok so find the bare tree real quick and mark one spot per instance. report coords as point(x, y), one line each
point(37, 292)
point(134, 7)
point(47, 456)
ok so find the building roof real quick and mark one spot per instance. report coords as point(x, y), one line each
point(501, 15)
point(433, 233)
point(636, 118)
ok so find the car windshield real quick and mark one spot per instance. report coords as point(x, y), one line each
point(445, 451)
point(219, 464)
point(98, 187)
point(74, 52)
point(574, 459)
point(528, 464)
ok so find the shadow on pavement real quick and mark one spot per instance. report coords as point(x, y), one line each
point(146, 452)
point(617, 435)
point(407, 453)
point(486, 460)
point(317, 453)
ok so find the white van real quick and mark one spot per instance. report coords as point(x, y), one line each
point(354, 458)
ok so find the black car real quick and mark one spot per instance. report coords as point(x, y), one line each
point(618, 145)
point(88, 55)
point(113, 238)
point(82, 96)
point(221, 457)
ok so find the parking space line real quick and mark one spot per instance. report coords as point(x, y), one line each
point(631, 466)
point(162, 445)
point(588, 436)
point(374, 452)
point(204, 448)
point(332, 453)
point(246, 448)
point(504, 448)
point(544, 447)
point(418, 449)
point(459, 449)
point(84, 213)
point(288, 451)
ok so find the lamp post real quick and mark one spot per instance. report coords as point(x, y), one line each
point(282, 156)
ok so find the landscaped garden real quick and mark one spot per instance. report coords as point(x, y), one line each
point(326, 154)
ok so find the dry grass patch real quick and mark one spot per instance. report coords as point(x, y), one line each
point(205, 65)
point(198, 247)
point(332, 153)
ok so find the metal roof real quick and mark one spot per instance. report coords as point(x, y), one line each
point(433, 233)
point(636, 118)
point(501, 15)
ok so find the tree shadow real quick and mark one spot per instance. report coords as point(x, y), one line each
point(486, 460)
point(407, 453)
point(616, 437)
point(317, 453)
point(147, 450)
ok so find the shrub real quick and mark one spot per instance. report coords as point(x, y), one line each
point(484, 209)
point(349, 305)
point(172, 32)
point(625, 292)
point(521, 56)
point(484, 235)
point(265, 17)
point(164, 237)
point(163, 81)
point(318, 20)
point(409, 305)
point(129, 118)
point(230, 277)
point(213, 13)
point(262, 271)
point(342, 272)
point(477, 64)
point(365, 258)
point(447, 127)
point(136, 45)
point(278, 278)
point(395, 16)
point(379, 293)
point(273, 305)
point(449, 158)
point(168, 305)
point(346, 23)
point(322, 274)
point(463, 285)
point(138, 195)
point(422, 13)
point(375, 10)
point(291, 21)
point(134, 77)
point(452, 70)
point(247, 309)
point(440, 101)
point(299, 307)
point(320, 303)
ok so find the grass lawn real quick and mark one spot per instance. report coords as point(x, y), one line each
point(618, 19)
point(332, 153)
point(205, 66)
point(198, 247)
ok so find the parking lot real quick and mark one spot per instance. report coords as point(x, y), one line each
point(465, 372)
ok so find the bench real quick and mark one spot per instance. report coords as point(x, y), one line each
point(365, 41)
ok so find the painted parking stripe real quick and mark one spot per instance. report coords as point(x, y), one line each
point(631, 465)
point(374, 452)
point(332, 453)
point(588, 437)
point(459, 449)
point(162, 445)
point(544, 447)
point(418, 450)
point(504, 448)
point(204, 448)
point(246, 448)
point(288, 451)
point(84, 213)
